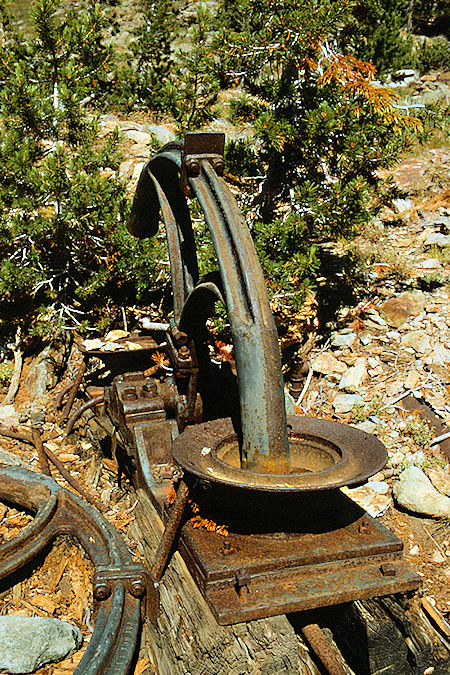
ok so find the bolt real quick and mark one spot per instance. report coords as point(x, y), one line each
point(226, 548)
point(364, 527)
point(184, 352)
point(137, 588)
point(129, 394)
point(102, 590)
point(192, 167)
point(179, 337)
point(218, 165)
point(149, 389)
point(388, 570)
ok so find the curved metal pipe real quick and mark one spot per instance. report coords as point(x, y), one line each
point(263, 418)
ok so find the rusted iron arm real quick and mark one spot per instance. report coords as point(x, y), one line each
point(200, 161)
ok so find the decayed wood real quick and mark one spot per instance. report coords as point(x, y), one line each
point(388, 635)
point(187, 638)
point(15, 379)
point(384, 635)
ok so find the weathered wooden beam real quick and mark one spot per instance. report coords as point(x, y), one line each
point(187, 638)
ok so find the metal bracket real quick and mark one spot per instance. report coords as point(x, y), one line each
point(137, 581)
point(199, 146)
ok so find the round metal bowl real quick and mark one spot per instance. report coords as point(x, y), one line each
point(323, 455)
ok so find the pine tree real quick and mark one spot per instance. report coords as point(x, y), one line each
point(65, 255)
point(146, 81)
point(322, 129)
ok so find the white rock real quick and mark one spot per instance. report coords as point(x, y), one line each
point(440, 355)
point(140, 150)
point(367, 426)
point(402, 205)
point(415, 492)
point(414, 550)
point(162, 134)
point(437, 239)
point(354, 378)
point(327, 364)
point(27, 643)
point(437, 557)
point(126, 168)
point(418, 340)
point(343, 403)
point(138, 136)
point(344, 340)
point(137, 170)
point(374, 497)
point(429, 264)
point(7, 411)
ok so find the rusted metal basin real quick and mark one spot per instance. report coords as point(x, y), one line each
point(323, 455)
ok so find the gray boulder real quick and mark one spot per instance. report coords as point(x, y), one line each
point(28, 643)
point(415, 492)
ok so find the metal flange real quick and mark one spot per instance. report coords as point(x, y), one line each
point(324, 455)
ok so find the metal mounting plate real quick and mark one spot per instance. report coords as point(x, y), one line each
point(332, 552)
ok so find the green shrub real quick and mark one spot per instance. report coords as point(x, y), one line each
point(322, 131)
point(66, 258)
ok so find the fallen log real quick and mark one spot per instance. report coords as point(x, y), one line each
point(187, 638)
point(383, 635)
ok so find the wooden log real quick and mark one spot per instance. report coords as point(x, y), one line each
point(388, 635)
point(379, 635)
point(187, 638)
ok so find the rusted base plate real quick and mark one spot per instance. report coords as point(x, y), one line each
point(346, 555)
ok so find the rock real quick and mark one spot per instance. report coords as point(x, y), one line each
point(437, 239)
point(393, 335)
point(373, 318)
point(353, 379)
point(374, 497)
point(415, 492)
point(8, 415)
point(138, 136)
point(162, 134)
point(429, 264)
point(414, 550)
point(412, 379)
point(126, 168)
point(344, 340)
point(139, 150)
point(289, 403)
point(440, 355)
point(437, 557)
point(367, 426)
point(440, 480)
point(343, 403)
point(327, 364)
point(402, 205)
point(397, 310)
point(27, 643)
point(137, 171)
point(417, 340)
point(10, 458)
point(42, 373)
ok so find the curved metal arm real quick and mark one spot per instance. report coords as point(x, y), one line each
point(263, 419)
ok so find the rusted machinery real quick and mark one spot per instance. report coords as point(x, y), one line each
point(295, 541)
point(270, 482)
point(119, 584)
